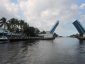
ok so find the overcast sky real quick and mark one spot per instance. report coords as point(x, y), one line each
point(43, 14)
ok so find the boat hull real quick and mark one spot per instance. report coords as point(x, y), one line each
point(3, 39)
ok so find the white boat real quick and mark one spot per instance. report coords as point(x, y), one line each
point(3, 38)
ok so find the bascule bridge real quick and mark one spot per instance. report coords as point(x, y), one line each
point(79, 28)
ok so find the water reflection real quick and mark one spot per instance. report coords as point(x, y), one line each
point(58, 51)
point(28, 43)
point(80, 57)
point(81, 41)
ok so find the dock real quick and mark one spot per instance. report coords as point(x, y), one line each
point(30, 38)
point(81, 38)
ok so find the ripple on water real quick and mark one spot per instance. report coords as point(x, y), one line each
point(58, 51)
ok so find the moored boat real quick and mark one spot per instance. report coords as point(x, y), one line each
point(3, 38)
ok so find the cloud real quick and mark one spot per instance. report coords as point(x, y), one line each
point(8, 9)
point(48, 11)
point(43, 13)
point(82, 6)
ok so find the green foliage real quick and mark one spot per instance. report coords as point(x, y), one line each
point(18, 26)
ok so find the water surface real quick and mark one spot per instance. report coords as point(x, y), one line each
point(58, 51)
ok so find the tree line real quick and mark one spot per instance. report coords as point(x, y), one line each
point(18, 26)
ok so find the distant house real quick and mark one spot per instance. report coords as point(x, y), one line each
point(3, 31)
point(7, 33)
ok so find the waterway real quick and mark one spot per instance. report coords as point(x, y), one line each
point(58, 51)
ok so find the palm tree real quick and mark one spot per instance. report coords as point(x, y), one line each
point(21, 24)
point(13, 23)
point(25, 25)
point(3, 23)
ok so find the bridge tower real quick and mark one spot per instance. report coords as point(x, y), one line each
point(54, 27)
